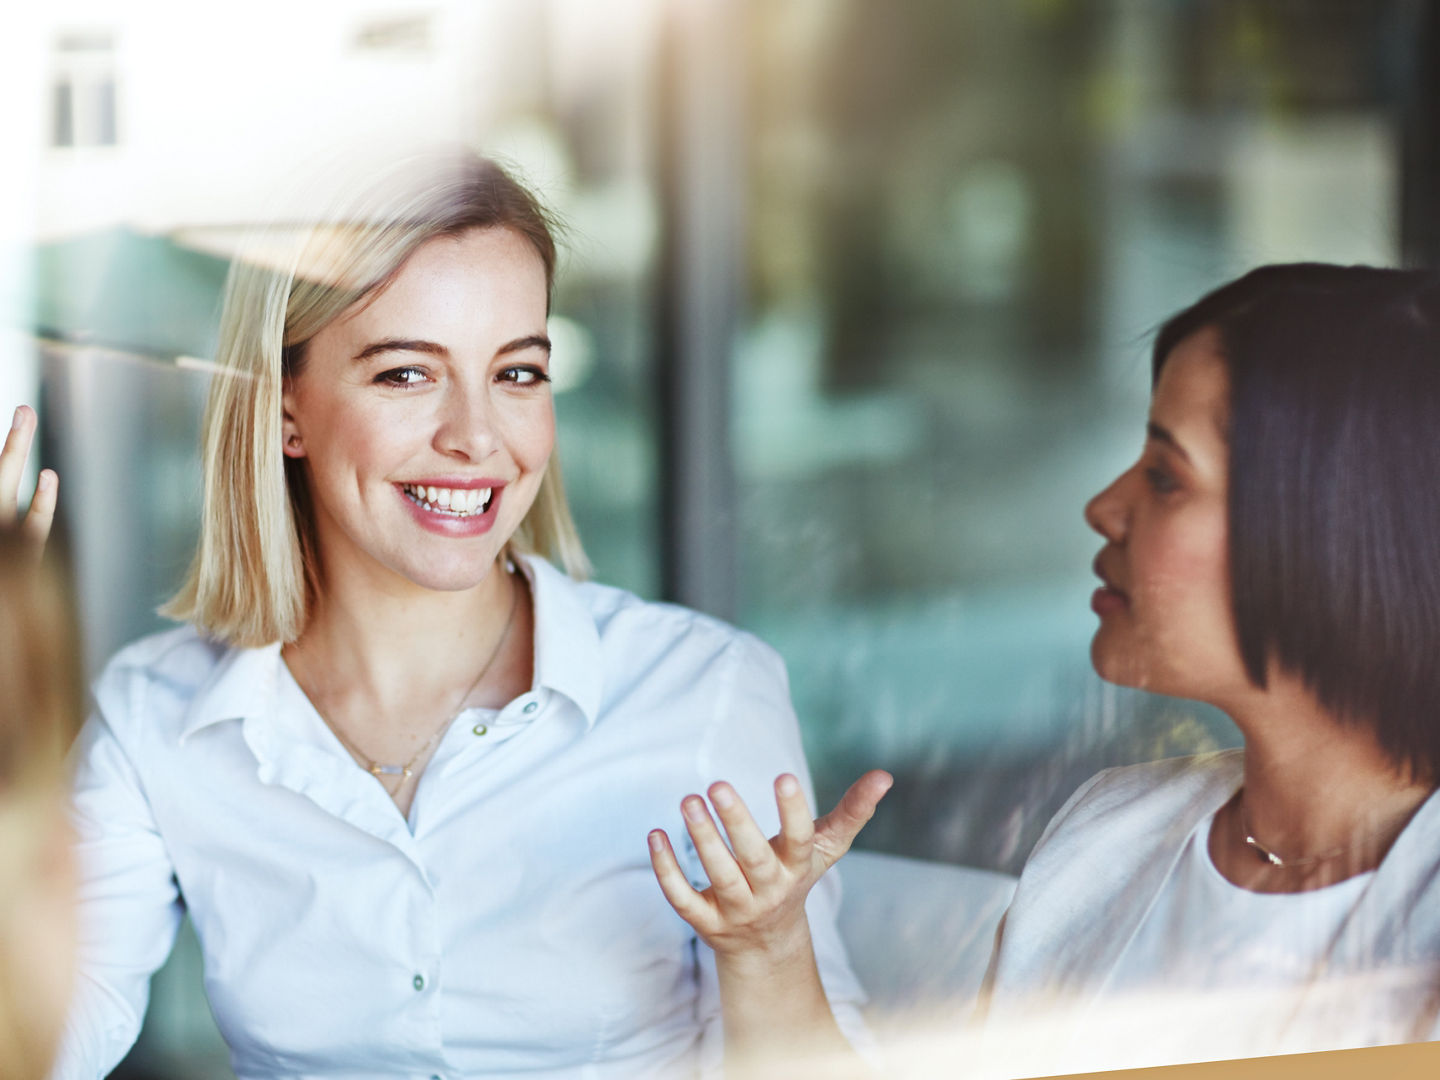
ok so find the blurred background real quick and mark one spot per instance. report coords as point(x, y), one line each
point(853, 318)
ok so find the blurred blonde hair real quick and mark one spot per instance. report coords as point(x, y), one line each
point(254, 573)
point(40, 709)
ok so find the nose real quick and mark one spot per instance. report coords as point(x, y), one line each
point(465, 427)
point(1108, 513)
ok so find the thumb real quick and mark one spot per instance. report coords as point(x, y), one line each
point(836, 830)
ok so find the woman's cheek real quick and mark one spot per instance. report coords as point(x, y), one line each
point(1191, 622)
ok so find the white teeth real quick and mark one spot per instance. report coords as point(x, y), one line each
point(458, 501)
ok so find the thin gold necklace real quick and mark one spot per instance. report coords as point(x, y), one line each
point(380, 770)
point(1300, 862)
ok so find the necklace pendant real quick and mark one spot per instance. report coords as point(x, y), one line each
point(1263, 853)
point(390, 770)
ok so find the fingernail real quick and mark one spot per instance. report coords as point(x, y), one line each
point(45, 480)
point(788, 785)
point(657, 840)
point(722, 796)
point(19, 416)
point(693, 808)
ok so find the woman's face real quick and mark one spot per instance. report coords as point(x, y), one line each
point(1166, 622)
point(424, 416)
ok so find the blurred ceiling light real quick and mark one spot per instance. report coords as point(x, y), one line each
point(209, 367)
point(406, 34)
point(85, 41)
point(572, 353)
point(991, 216)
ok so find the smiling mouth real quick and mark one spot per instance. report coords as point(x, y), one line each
point(450, 502)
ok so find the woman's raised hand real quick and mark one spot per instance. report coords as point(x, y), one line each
point(755, 904)
point(36, 526)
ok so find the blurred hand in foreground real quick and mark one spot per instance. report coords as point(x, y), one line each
point(36, 526)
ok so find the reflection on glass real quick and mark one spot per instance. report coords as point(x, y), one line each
point(966, 220)
point(173, 131)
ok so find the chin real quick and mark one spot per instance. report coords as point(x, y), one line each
point(454, 575)
point(1118, 665)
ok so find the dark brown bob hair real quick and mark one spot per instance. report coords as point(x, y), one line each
point(1334, 491)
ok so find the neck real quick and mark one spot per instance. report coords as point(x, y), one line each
point(1315, 784)
point(397, 642)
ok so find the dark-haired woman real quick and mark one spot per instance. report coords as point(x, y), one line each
point(1273, 553)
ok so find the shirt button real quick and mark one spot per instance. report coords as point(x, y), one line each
point(479, 729)
point(418, 982)
point(531, 706)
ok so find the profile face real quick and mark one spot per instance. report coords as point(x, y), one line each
point(1166, 620)
point(423, 414)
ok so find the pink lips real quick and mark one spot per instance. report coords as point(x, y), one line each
point(1107, 600)
point(449, 524)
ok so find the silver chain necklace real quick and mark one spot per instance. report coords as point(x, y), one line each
point(380, 770)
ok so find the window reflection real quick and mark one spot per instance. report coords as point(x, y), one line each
point(963, 222)
point(966, 220)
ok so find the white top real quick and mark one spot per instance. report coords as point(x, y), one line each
point(512, 927)
point(1124, 947)
point(1208, 944)
point(1205, 932)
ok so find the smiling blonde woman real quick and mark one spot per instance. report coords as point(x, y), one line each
point(398, 767)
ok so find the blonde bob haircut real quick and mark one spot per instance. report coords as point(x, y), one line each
point(255, 569)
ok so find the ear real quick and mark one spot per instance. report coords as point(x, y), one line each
point(292, 444)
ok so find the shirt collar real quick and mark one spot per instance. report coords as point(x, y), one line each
point(567, 642)
point(567, 658)
point(242, 684)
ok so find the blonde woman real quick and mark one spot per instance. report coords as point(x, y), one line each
point(39, 712)
point(399, 764)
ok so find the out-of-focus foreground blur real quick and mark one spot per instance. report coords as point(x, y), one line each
point(854, 315)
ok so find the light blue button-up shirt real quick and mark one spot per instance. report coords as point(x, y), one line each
point(511, 927)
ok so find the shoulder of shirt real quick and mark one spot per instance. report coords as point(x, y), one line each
point(621, 616)
point(157, 675)
point(1157, 789)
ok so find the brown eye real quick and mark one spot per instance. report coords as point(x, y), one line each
point(523, 375)
point(401, 377)
point(1160, 481)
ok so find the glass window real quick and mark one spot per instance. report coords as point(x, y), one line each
point(966, 221)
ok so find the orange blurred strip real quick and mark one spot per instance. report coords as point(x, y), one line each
point(1409, 1062)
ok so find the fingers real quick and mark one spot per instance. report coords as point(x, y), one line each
point(752, 850)
point(36, 527)
point(797, 828)
point(12, 461)
point(726, 878)
point(688, 904)
point(41, 514)
point(837, 830)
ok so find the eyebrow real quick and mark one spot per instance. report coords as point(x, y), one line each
point(431, 348)
point(1163, 435)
